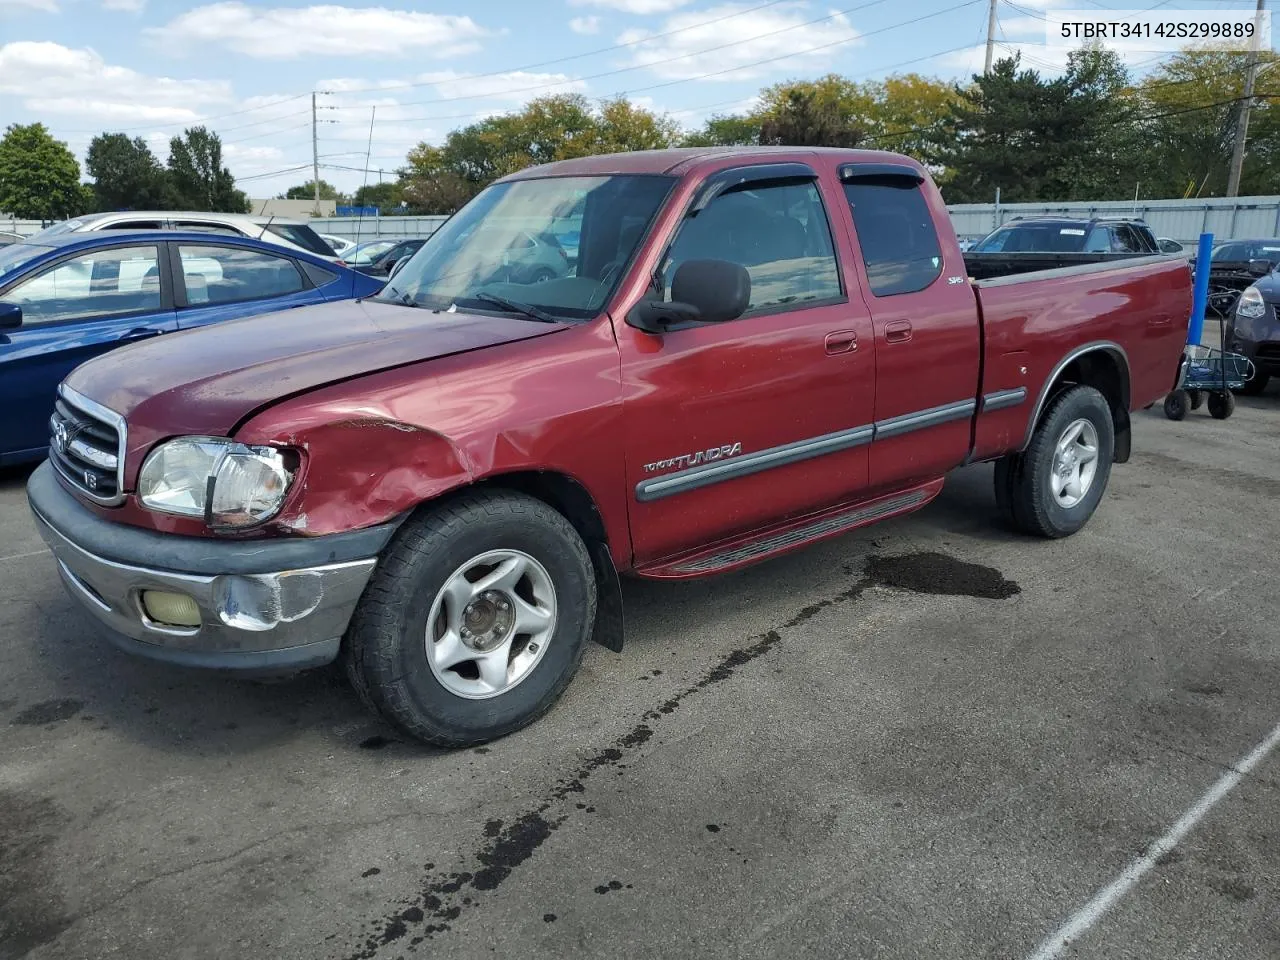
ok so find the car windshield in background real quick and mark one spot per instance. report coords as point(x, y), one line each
point(506, 244)
point(15, 255)
point(302, 236)
point(1034, 238)
point(366, 253)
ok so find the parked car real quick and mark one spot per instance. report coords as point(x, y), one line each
point(1069, 235)
point(755, 350)
point(366, 252)
point(341, 246)
point(384, 261)
point(292, 234)
point(75, 295)
point(1253, 329)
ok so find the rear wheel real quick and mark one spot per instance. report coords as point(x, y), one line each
point(475, 620)
point(1221, 405)
point(1056, 484)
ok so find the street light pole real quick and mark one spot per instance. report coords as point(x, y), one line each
point(1246, 104)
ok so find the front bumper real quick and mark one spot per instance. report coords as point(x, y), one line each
point(264, 605)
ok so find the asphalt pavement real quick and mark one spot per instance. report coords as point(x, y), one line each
point(931, 738)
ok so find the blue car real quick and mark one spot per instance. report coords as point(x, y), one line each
point(74, 296)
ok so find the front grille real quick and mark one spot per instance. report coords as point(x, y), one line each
point(86, 446)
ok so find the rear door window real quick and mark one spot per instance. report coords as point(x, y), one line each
point(136, 225)
point(204, 226)
point(896, 235)
point(214, 274)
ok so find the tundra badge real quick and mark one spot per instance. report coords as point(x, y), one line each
point(693, 459)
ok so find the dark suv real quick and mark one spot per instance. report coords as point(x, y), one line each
point(1069, 235)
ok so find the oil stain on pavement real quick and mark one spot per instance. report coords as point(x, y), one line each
point(503, 847)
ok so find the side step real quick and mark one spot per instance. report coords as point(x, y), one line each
point(789, 535)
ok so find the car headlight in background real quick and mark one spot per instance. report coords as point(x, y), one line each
point(219, 480)
point(1251, 304)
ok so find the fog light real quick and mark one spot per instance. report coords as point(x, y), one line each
point(171, 609)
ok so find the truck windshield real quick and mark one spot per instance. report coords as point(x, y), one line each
point(560, 244)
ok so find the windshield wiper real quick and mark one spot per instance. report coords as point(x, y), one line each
point(526, 309)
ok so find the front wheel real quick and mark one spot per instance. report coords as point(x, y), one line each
point(1054, 486)
point(1176, 405)
point(475, 620)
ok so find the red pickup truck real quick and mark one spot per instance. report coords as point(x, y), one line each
point(751, 350)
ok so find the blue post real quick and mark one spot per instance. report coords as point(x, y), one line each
point(1200, 293)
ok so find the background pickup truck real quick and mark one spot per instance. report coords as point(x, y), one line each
point(752, 351)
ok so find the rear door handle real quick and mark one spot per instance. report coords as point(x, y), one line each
point(897, 331)
point(842, 341)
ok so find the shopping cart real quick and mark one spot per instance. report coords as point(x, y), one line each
point(1209, 373)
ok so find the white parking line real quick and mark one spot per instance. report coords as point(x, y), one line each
point(19, 556)
point(1094, 910)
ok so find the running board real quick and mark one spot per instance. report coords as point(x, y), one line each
point(787, 536)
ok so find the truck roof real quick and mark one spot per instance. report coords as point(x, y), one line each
point(678, 160)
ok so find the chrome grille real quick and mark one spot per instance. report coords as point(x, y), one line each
point(86, 446)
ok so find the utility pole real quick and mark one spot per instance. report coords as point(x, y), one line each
point(315, 153)
point(991, 34)
point(1246, 104)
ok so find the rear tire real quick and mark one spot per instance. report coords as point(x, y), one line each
point(1176, 405)
point(1221, 405)
point(1057, 482)
point(453, 662)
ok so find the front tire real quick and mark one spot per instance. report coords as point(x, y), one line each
point(475, 620)
point(1057, 482)
point(1176, 405)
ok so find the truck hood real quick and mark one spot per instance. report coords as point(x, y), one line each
point(206, 381)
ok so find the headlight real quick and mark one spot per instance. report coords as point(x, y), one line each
point(1251, 303)
point(224, 482)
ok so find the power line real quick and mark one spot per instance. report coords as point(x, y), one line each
point(697, 53)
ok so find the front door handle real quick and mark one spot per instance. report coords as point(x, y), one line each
point(897, 331)
point(139, 333)
point(842, 341)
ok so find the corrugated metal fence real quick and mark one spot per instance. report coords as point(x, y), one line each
point(1226, 218)
point(1181, 220)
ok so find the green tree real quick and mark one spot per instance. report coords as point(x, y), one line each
point(126, 175)
point(197, 176)
point(1189, 110)
point(386, 196)
point(307, 191)
point(725, 130)
point(813, 113)
point(39, 176)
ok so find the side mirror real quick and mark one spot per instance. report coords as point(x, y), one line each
point(10, 316)
point(706, 291)
point(1259, 268)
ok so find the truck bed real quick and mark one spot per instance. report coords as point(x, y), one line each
point(990, 266)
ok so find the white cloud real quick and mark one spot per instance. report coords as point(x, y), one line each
point(761, 35)
point(283, 33)
point(585, 25)
point(641, 7)
point(449, 92)
point(1045, 60)
point(45, 6)
point(124, 6)
point(49, 78)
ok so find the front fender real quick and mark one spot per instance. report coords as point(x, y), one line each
point(361, 471)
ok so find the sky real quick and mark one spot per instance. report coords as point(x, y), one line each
point(389, 75)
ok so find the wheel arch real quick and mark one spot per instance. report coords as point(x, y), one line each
point(572, 500)
point(1103, 365)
